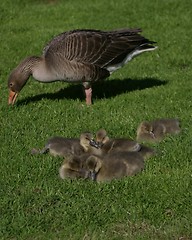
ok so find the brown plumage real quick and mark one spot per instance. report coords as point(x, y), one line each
point(60, 146)
point(73, 167)
point(156, 130)
point(147, 152)
point(80, 56)
point(114, 165)
point(108, 145)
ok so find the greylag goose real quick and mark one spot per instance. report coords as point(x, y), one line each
point(108, 145)
point(114, 165)
point(156, 130)
point(80, 56)
point(59, 146)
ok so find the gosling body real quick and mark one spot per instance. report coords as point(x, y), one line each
point(60, 146)
point(156, 131)
point(115, 165)
point(73, 167)
point(108, 145)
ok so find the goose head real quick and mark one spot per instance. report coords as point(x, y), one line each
point(16, 82)
point(19, 76)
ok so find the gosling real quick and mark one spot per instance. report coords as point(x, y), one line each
point(73, 167)
point(155, 131)
point(108, 145)
point(114, 165)
point(59, 146)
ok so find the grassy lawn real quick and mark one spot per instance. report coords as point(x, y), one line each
point(35, 202)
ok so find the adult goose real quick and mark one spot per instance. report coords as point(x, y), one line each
point(80, 56)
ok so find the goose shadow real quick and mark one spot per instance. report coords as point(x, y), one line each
point(101, 89)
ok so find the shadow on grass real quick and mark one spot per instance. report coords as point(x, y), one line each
point(104, 89)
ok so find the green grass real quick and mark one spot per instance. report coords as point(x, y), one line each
point(35, 202)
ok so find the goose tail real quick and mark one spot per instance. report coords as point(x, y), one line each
point(145, 47)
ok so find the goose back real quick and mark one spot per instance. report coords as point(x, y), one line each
point(94, 47)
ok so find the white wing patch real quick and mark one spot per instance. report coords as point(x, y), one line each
point(129, 57)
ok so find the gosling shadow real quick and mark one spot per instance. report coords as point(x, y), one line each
point(102, 89)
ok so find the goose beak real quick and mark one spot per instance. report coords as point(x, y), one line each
point(12, 97)
point(93, 143)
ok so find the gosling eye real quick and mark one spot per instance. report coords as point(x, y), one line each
point(10, 84)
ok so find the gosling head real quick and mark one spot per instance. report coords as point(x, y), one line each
point(87, 141)
point(93, 165)
point(101, 137)
point(146, 128)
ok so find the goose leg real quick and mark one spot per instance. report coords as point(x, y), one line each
point(88, 94)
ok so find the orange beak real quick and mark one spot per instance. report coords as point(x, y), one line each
point(12, 97)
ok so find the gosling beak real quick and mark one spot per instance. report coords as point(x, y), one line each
point(12, 97)
point(93, 143)
point(152, 134)
point(92, 176)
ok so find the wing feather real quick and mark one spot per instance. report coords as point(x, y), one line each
point(95, 47)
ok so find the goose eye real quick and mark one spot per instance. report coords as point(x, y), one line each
point(10, 84)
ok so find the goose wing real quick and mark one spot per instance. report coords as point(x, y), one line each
point(95, 47)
